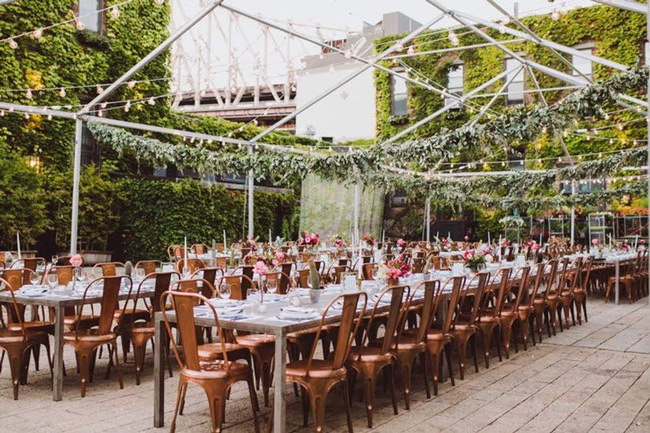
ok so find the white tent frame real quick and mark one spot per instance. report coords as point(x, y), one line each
point(462, 18)
point(82, 115)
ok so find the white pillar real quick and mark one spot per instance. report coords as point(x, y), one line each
point(251, 190)
point(76, 176)
point(428, 210)
point(573, 213)
point(357, 208)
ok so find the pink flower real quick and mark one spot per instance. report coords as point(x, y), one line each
point(395, 273)
point(595, 242)
point(260, 268)
point(76, 261)
point(400, 242)
point(307, 239)
point(280, 256)
point(486, 251)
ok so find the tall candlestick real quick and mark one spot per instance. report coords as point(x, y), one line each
point(489, 243)
point(18, 242)
point(383, 236)
point(270, 240)
point(449, 236)
point(185, 250)
point(225, 245)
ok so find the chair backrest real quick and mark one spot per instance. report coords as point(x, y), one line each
point(337, 271)
point(473, 289)
point(586, 272)
point(149, 266)
point(12, 311)
point(550, 277)
point(246, 283)
point(537, 282)
point(192, 286)
point(432, 291)
point(395, 313)
point(283, 281)
point(209, 274)
point(14, 277)
point(192, 264)
point(200, 248)
point(110, 295)
point(348, 327)
point(521, 280)
point(576, 272)
point(502, 290)
point(366, 270)
point(303, 277)
point(184, 303)
point(109, 269)
point(236, 283)
point(457, 283)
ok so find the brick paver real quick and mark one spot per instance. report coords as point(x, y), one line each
point(593, 377)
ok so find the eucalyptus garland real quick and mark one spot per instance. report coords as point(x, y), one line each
point(369, 165)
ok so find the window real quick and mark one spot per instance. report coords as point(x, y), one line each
point(454, 85)
point(515, 90)
point(399, 97)
point(646, 50)
point(581, 64)
point(89, 15)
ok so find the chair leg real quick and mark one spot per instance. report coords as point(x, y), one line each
point(181, 387)
point(461, 348)
point(255, 407)
point(391, 384)
point(117, 365)
point(451, 368)
point(182, 401)
point(15, 355)
point(318, 407)
point(474, 354)
point(36, 352)
point(434, 362)
point(126, 345)
point(346, 400)
point(368, 394)
point(83, 360)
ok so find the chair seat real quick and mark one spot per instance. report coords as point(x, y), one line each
point(8, 336)
point(70, 321)
point(88, 335)
point(132, 315)
point(298, 334)
point(33, 326)
point(319, 369)
point(249, 340)
point(368, 354)
point(214, 351)
point(436, 334)
point(216, 370)
point(140, 328)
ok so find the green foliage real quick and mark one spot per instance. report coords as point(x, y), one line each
point(97, 208)
point(156, 214)
point(21, 200)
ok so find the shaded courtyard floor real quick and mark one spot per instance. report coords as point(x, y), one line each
point(594, 377)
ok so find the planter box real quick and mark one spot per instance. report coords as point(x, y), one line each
point(93, 257)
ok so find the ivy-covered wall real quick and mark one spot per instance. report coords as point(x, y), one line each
point(615, 34)
point(66, 57)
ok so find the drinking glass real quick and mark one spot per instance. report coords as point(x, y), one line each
point(98, 272)
point(52, 280)
point(34, 278)
point(224, 289)
point(139, 274)
point(272, 286)
point(253, 295)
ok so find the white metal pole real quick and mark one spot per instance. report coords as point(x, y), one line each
point(357, 206)
point(76, 176)
point(251, 191)
point(428, 219)
point(573, 213)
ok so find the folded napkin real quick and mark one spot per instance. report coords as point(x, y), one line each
point(31, 291)
point(222, 302)
point(298, 313)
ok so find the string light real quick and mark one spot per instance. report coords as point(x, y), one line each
point(28, 94)
point(160, 2)
point(453, 38)
point(619, 126)
point(49, 117)
point(411, 50)
point(62, 92)
point(79, 25)
point(37, 33)
point(2, 113)
point(115, 12)
point(151, 101)
point(12, 44)
point(399, 47)
point(555, 15)
point(131, 84)
point(100, 113)
point(127, 106)
point(99, 90)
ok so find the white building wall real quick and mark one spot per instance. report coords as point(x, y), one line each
point(346, 114)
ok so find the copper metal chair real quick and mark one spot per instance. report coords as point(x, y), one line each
point(139, 331)
point(465, 321)
point(488, 320)
point(526, 311)
point(365, 362)
point(149, 266)
point(193, 265)
point(109, 269)
point(215, 376)
point(553, 298)
point(580, 290)
point(18, 340)
point(566, 292)
point(439, 337)
point(317, 377)
point(509, 314)
point(86, 341)
point(540, 303)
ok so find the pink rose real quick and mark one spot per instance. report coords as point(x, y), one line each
point(400, 242)
point(280, 256)
point(260, 268)
point(595, 242)
point(76, 261)
point(395, 273)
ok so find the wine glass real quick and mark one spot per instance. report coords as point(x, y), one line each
point(253, 295)
point(34, 278)
point(52, 280)
point(224, 289)
point(55, 259)
point(139, 274)
point(272, 285)
point(98, 272)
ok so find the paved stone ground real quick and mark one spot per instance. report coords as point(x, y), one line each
point(594, 377)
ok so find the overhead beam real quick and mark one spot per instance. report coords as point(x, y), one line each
point(152, 55)
point(347, 79)
point(487, 106)
point(36, 110)
point(443, 109)
point(624, 4)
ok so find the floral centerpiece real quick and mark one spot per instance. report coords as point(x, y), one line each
point(260, 268)
point(370, 241)
point(475, 260)
point(531, 245)
point(338, 241)
point(393, 269)
point(625, 247)
point(76, 261)
point(309, 240)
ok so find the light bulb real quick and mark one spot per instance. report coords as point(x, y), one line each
point(127, 106)
point(28, 94)
point(411, 50)
point(102, 105)
point(79, 25)
point(37, 33)
point(555, 15)
point(49, 117)
point(2, 113)
point(620, 126)
point(192, 140)
point(348, 54)
point(62, 92)
point(26, 115)
point(502, 28)
point(100, 113)
point(151, 101)
point(115, 12)
point(611, 141)
point(13, 44)
point(399, 46)
point(606, 116)
point(99, 90)
point(565, 133)
point(131, 84)
point(160, 2)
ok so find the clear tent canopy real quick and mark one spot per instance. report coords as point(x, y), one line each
point(506, 23)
